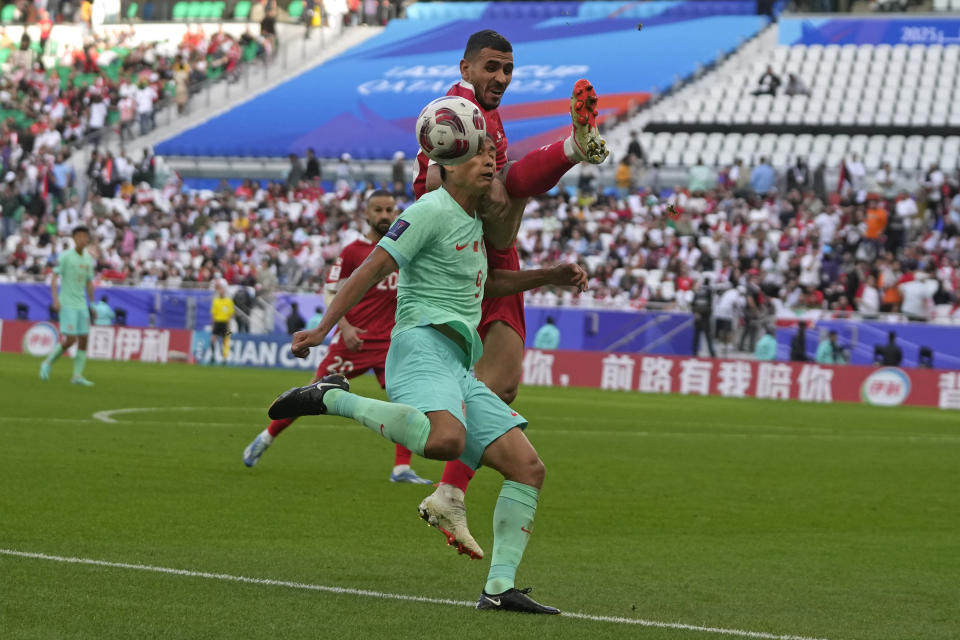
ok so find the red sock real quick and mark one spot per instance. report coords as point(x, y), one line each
point(402, 456)
point(539, 171)
point(279, 425)
point(457, 474)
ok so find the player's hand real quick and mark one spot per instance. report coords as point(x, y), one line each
point(569, 275)
point(351, 337)
point(303, 340)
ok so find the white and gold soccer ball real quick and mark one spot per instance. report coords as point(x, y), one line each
point(450, 130)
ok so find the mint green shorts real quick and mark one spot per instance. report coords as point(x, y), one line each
point(74, 322)
point(425, 370)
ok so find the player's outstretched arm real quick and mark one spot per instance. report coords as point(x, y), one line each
point(378, 265)
point(503, 282)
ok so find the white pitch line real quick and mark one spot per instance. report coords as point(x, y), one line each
point(107, 416)
point(388, 596)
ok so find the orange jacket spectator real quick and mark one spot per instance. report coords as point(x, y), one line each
point(876, 223)
point(891, 294)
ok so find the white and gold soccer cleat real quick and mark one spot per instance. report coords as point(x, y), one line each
point(444, 509)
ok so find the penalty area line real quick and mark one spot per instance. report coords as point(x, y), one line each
point(366, 593)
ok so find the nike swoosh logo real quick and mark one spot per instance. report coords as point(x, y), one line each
point(526, 530)
point(495, 601)
point(459, 248)
point(514, 413)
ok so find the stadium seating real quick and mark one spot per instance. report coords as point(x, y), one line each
point(208, 10)
point(907, 153)
point(866, 99)
point(7, 13)
point(242, 10)
point(295, 10)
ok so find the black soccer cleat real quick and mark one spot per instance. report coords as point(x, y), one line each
point(306, 401)
point(514, 600)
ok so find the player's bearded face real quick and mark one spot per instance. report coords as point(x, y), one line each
point(490, 73)
point(381, 212)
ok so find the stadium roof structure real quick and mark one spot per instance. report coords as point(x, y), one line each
point(365, 101)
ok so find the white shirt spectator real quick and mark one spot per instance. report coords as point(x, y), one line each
point(934, 182)
point(907, 208)
point(98, 114)
point(827, 223)
point(67, 219)
point(869, 301)
point(49, 139)
point(728, 304)
point(810, 270)
point(918, 296)
point(145, 98)
point(857, 174)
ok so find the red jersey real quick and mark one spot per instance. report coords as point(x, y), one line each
point(376, 311)
point(494, 128)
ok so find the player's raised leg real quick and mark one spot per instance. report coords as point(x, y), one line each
point(539, 171)
point(523, 472)
point(436, 434)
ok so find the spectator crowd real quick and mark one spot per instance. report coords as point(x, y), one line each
point(756, 254)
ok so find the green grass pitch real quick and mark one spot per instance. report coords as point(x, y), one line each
point(839, 522)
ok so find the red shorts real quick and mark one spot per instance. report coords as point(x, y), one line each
point(508, 309)
point(354, 363)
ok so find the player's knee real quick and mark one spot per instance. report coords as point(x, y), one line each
point(532, 472)
point(508, 393)
point(447, 446)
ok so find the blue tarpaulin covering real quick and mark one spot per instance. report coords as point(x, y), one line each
point(365, 101)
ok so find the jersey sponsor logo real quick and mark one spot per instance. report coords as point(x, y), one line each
point(397, 229)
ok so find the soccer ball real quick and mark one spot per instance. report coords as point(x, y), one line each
point(451, 130)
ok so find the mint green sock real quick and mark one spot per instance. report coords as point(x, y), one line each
point(512, 526)
point(398, 423)
point(56, 353)
point(79, 362)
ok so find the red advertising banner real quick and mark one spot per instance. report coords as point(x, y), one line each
point(807, 382)
point(103, 342)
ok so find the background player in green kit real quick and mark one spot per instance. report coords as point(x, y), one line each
point(74, 272)
point(438, 409)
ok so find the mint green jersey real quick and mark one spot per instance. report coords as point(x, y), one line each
point(75, 271)
point(443, 268)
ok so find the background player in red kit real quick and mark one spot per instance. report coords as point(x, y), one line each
point(364, 336)
point(486, 70)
